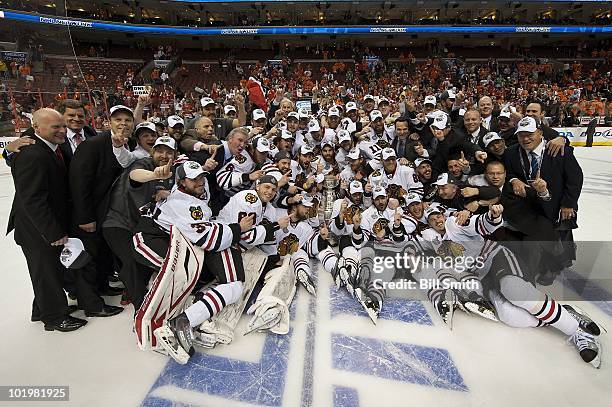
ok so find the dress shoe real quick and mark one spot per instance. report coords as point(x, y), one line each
point(66, 325)
point(107, 311)
point(111, 291)
point(71, 309)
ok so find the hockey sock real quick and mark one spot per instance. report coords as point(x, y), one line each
point(510, 314)
point(328, 259)
point(548, 311)
point(212, 302)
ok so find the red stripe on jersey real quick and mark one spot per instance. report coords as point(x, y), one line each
point(229, 265)
point(213, 235)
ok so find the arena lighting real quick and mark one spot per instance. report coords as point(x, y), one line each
point(300, 30)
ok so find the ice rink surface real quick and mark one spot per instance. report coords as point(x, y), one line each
point(333, 355)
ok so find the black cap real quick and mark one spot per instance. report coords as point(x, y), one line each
point(281, 155)
point(266, 179)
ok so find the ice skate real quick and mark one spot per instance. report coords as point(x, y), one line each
point(266, 320)
point(585, 323)
point(204, 339)
point(588, 346)
point(445, 307)
point(372, 307)
point(475, 304)
point(304, 279)
point(340, 273)
point(176, 337)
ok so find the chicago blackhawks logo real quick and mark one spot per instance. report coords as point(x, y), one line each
point(448, 248)
point(395, 191)
point(250, 198)
point(289, 245)
point(350, 213)
point(196, 212)
point(240, 159)
point(382, 143)
point(380, 225)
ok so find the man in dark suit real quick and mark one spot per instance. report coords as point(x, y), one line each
point(472, 128)
point(41, 219)
point(401, 143)
point(536, 110)
point(489, 120)
point(73, 112)
point(528, 161)
point(93, 171)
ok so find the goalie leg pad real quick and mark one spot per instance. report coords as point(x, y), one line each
point(213, 301)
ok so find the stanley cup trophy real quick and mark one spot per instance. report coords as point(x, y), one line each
point(330, 182)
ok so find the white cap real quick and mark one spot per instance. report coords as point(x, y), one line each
point(165, 141)
point(294, 115)
point(355, 186)
point(421, 160)
point(119, 108)
point(375, 115)
point(440, 121)
point(259, 114)
point(306, 201)
point(430, 100)
point(431, 210)
point(303, 113)
point(229, 108)
point(73, 254)
point(343, 135)
point(353, 154)
point(505, 113)
point(313, 125)
point(262, 145)
point(462, 111)
point(146, 125)
point(451, 94)
point(444, 179)
point(306, 149)
point(412, 198)
point(189, 169)
point(490, 137)
point(527, 124)
point(285, 134)
point(383, 99)
point(205, 101)
point(328, 142)
point(379, 191)
point(351, 106)
point(333, 111)
point(174, 120)
point(366, 97)
point(388, 153)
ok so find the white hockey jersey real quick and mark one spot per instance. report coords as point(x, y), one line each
point(373, 219)
point(397, 184)
point(346, 224)
point(231, 176)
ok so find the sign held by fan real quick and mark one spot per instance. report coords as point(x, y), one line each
point(141, 90)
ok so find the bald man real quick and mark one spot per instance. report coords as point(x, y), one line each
point(485, 107)
point(40, 217)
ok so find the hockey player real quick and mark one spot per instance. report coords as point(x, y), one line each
point(244, 168)
point(397, 179)
point(188, 212)
point(498, 268)
point(345, 144)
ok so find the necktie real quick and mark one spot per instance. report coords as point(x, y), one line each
point(60, 157)
point(78, 139)
point(534, 164)
point(400, 148)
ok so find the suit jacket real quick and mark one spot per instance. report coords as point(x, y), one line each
point(527, 214)
point(409, 153)
point(562, 174)
point(93, 171)
point(40, 212)
point(88, 133)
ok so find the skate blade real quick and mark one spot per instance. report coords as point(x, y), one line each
point(580, 311)
point(451, 301)
point(163, 335)
point(475, 309)
point(265, 321)
point(204, 340)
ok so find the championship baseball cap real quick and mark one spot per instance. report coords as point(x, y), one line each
point(351, 106)
point(412, 198)
point(379, 191)
point(448, 94)
point(73, 255)
point(303, 113)
point(327, 142)
point(388, 153)
point(355, 187)
point(205, 101)
point(313, 125)
point(383, 100)
point(189, 169)
point(261, 144)
point(368, 97)
point(490, 137)
point(306, 149)
point(145, 125)
point(281, 155)
point(266, 179)
point(333, 111)
point(440, 121)
point(306, 201)
point(353, 154)
point(375, 115)
point(294, 115)
point(343, 135)
point(527, 124)
point(174, 120)
point(433, 209)
point(229, 108)
point(505, 113)
point(430, 100)
point(120, 108)
point(422, 160)
point(285, 134)
point(258, 114)
point(444, 179)
point(165, 141)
